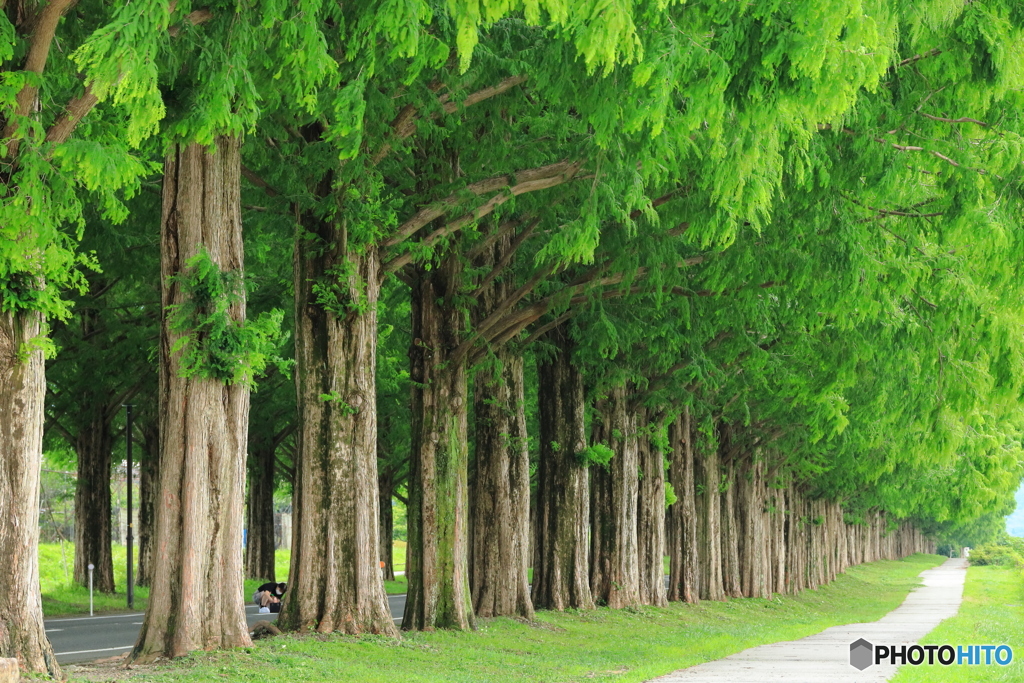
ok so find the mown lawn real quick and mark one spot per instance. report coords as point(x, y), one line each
point(620, 645)
point(62, 597)
point(992, 613)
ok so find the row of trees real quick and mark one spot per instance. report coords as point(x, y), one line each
point(769, 250)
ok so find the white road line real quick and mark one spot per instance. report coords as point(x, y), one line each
point(102, 649)
point(109, 616)
point(53, 630)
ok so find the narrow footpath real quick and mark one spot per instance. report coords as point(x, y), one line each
point(826, 656)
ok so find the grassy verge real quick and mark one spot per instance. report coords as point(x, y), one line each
point(623, 645)
point(992, 613)
point(63, 597)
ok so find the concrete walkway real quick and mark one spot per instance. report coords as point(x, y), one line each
point(826, 655)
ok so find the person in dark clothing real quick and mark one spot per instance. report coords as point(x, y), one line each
point(268, 597)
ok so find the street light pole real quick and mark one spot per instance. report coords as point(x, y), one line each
point(131, 587)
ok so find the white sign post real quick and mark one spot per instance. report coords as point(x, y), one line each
point(91, 567)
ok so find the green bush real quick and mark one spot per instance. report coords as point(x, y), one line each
point(1008, 552)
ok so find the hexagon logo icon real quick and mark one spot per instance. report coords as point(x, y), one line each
point(861, 654)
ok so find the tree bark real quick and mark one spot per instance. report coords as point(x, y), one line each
point(501, 492)
point(730, 535)
point(753, 530)
point(709, 478)
point(615, 567)
point(334, 582)
point(22, 392)
point(196, 594)
point(92, 498)
point(561, 550)
point(683, 554)
point(259, 519)
point(437, 563)
point(651, 517)
point(149, 473)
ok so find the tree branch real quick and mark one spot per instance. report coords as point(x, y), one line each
point(35, 62)
point(535, 179)
point(506, 258)
point(404, 125)
point(429, 213)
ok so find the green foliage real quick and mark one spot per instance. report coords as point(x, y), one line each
point(1008, 553)
point(213, 344)
point(595, 454)
point(670, 494)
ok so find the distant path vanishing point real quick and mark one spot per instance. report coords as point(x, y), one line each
point(826, 656)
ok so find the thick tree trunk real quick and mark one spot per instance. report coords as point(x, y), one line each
point(561, 557)
point(754, 531)
point(615, 566)
point(437, 563)
point(386, 520)
point(709, 531)
point(500, 505)
point(259, 519)
point(778, 524)
point(651, 518)
point(196, 595)
point(92, 498)
point(501, 493)
point(22, 389)
point(683, 554)
point(149, 473)
point(334, 582)
point(730, 535)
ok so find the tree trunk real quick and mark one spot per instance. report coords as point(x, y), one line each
point(386, 520)
point(730, 535)
point(149, 474)
point(615, 569)
point(196, 594)
point(334, 582)
point(501, 492)
point(753, 530)
point(92, 498)
point(500, 505)
point(561, 557)
point(437, 563)
point(778, 522)
point(683, 555)
point(651, 517)
point(259, 539)
point(22, 390)
point(709, 478)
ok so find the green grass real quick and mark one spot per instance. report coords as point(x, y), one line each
point(992, 613)
point(624, 645)
point(62, 597)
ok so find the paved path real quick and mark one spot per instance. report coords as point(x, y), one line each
point(82, 639)
point(826, 655)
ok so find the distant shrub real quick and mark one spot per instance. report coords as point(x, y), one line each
point(1007, 553)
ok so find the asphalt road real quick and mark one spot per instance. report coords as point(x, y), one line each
point(82, 639)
